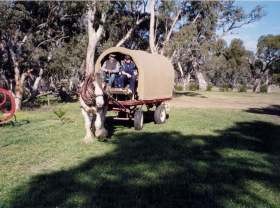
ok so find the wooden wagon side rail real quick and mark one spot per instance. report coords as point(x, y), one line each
point(128, 103)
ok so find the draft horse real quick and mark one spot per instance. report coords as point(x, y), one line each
point(94, 104)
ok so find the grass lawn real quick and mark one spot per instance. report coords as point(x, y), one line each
point(199, 158)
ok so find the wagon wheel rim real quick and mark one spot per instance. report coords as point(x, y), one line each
point(162, 115)
point(3, 98)
point(7, 108)
point(142, 120)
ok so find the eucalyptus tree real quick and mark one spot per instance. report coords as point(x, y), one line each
point(197, 31)
point(236, 69)
point(232, 17)
point(266, 62)
point(30, 32)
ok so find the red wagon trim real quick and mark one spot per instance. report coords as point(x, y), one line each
point(128, 103)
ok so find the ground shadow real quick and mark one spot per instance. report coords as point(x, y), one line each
point(188, 93)
point(270, 110)
point(113, 122)
point(166, 169)
point(15, 123)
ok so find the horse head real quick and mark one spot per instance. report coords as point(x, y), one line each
point(91, 91)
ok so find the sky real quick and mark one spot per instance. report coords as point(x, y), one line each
point(269, 24)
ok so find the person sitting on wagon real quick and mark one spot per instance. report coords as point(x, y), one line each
point(109, 69)
point(129, 74)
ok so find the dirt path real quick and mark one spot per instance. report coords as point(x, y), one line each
point(230, 100)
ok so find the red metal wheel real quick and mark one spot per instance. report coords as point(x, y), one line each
point(7, 105)
point(3, 99)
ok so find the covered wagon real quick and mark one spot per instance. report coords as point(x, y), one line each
point(154, 86)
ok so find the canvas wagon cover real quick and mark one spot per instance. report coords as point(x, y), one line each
point(156, 73)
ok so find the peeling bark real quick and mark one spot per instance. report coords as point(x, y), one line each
point(257, 85)
point(168, 36)
point(93, 36)
point(201, 80)
point(19, 80)
point(268, 87)
point(152, 27)
point(37, 81)
point(180, 69)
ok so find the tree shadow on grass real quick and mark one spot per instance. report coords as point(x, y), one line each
point(270, 110)
point(113, 122)
point(167, 169)
point(15, 123)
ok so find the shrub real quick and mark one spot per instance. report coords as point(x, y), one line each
point(242, 88)
point(60, 114)
point(209, 88)
point(276, 79)
point(178, 87)
point(225, 88)
point(193, 87)
point(263, 89)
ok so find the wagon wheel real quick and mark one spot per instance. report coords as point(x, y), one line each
point(138, 119)
point(7, 106)
point(160, 114)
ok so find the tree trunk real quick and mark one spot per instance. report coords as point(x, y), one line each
point(187, 82)
point(37, 81)
point(92, 41)
point(257, 85)
point(201, 80)
point(168, 36)
point(152, 27)
point(267, 81)
point(93, 36)
point(4, 83)
point(19, 80)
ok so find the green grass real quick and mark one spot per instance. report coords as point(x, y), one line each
point(199, 158)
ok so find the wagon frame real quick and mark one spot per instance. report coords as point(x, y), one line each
point(133, 110)
point(151, 67)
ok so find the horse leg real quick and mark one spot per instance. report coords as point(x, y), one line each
point(88, 120)
point(100, 131)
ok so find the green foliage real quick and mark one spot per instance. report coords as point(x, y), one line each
point(193, 87)
point(268, 51)
point(60, 114)
point(209, 87)
point(179, 87)
point(242, 88)
point(229, 65)
point(268, 46)
point(225, 88)
point(276, 79)
point(263, 89)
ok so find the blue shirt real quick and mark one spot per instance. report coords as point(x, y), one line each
point(128, 68)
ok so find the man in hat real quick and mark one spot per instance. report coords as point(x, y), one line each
point(110, 68)
point(129, 73)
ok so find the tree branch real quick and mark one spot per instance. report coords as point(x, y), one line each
point(170, 31)
point(130, 31)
